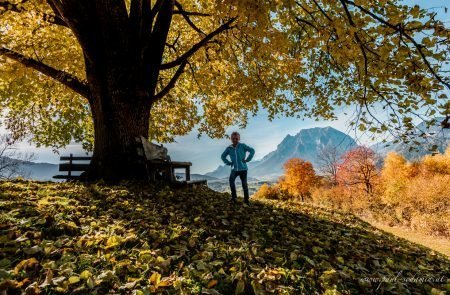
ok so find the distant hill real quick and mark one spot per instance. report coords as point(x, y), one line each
point(425, 138)
point(37, 170)
point(306, 145)
point(40, 171)
point(195, 176)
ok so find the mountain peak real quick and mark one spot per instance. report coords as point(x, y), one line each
point(306, 144)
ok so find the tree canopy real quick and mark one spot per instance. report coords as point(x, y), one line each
point(299, 178)
point(224, 60)
point(358, 169)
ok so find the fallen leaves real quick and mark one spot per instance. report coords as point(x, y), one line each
point(92, 239)
point(25, 265)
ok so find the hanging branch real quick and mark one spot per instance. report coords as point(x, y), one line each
point(63, 77)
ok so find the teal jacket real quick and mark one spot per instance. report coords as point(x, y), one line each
point(238, 156)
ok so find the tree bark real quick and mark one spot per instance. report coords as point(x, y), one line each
point(117, 125)
point(121, 113)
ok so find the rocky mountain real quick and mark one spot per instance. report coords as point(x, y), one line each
point(306, 145)
point(424, 141)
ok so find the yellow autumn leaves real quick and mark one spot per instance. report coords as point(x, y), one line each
point(290, 57)
point(188, 242)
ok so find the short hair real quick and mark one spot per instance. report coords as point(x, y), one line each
point(235, 133)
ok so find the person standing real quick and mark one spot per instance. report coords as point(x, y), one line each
point(237, 153)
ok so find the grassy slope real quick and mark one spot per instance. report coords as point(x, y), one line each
point(125, 239)
point(436, 243)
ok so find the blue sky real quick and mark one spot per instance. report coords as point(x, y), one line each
point(260, 133)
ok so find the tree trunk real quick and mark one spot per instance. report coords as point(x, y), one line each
point(120, 114)
point(122, 70)
point(117, 126)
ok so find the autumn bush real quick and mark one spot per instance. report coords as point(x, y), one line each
point(417, 194)
point(299, 179)
point(266, 191)
point(412, 194)
point(340, 198)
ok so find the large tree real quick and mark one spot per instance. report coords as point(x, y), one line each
point(104, 72)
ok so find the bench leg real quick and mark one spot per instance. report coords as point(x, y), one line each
point(152, 174)
point(188, 173)
point(172, 174)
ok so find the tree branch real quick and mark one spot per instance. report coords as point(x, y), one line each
point(171, 83)
point(361, 44)
point(56, 11)
point(153, 53)
point(52, 19)
point(65, 78)
point(323, 11)
point(190, 13)
point(188, 20)
point(306, 10)
point(197, 46)
point(301, 20)
point(156, 7)
point(406, 35)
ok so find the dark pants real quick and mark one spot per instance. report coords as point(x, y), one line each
point(243, 175)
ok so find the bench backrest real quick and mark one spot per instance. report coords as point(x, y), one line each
point(71, 166)
point(153, 151)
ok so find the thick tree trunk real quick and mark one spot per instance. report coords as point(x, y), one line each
point(122, 70)
point(120, 114)
point(117, 125)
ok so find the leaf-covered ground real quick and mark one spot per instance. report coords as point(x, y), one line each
point(87, 239)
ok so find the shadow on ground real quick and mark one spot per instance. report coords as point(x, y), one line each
point(145, 239)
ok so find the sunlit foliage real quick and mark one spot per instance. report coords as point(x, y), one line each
point(358, 168)
point(412, 194)
point(305, 58)
point(299, 178)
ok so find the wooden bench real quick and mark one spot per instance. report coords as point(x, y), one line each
point(166, 168)
point(71, 166)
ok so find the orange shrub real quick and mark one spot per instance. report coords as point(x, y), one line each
point(416, 194)
point(299, 178)
point(268, 192)
point(437, 164)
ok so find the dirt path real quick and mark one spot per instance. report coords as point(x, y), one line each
point(441, 245)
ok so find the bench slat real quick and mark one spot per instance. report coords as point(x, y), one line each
point(66, 177)
point(182, 163)
point(65, 158)
point(173, 163)
point(73, 167)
